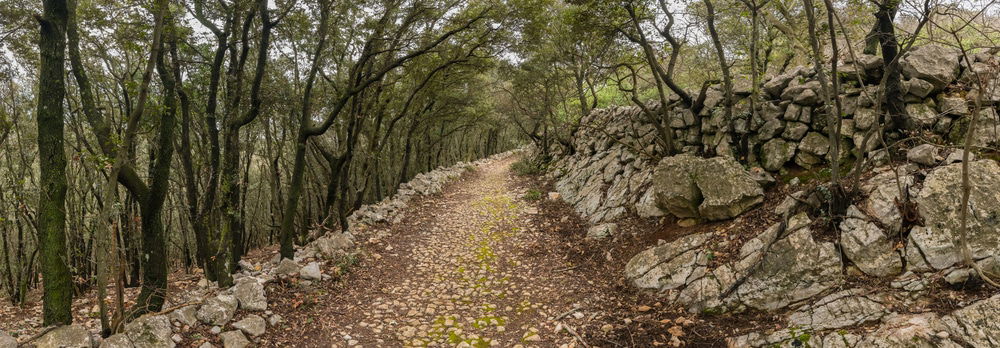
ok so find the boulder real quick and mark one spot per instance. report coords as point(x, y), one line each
point(918, 88)
point(666, 266)
point(69, 336)
point(864, 118)
point(676, 190)
point(311, 272)
point(187, 315)
point(938, 203)
point(932, 63)
point(252, 325)
point(795, 131)
point(865, 244)
point(218, 310)
point(770, 129)
point(602, 231)
point(883, 191)
point(287, 267)
point(815, 143)
point(727, 188)
point(249, 292)
point(715, 189)
point(952, 105)
point(234, 339)
point(977, 323)
point(920, 115)
point(775, 153)
point(795, 268)
point(840, 309)
point(150, 331)
point(333, 245)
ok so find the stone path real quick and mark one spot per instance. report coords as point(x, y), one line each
point(461, 273)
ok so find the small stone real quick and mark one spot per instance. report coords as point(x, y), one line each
point(215, 330)
point(252, 325)
point(311, 271)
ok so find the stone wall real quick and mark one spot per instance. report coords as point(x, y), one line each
point(609, 173)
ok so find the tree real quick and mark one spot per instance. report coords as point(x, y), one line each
point(58, 295)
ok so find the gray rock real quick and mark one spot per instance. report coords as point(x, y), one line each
point(807, 160)
point(952, 105)
point(187, 315)
point(150, 331)
point(777, 84)
point(795, 130)
point(727, 188)
point(252, 325)
point(69, 336)
point(807, 97)
point(206, 345)
point(794, 269)
point(918, 88)
point(234, 339)
point(883, 191)
point(792, 112)
point(602, 231)
point(920, 115)
point(977, 323)
point(333, 245)
point(956, 157)
point(215, 330)
point(865, 244)
point(120, 340)
point(775, 153)
point(935, 64)
point(864, 118)
point(6, 341)
point(311, 272)
point(770, 129)
point(925, 154)
point(815, 143)
point(274, 319)
point(218, 310)
point(841, 309)
point(249, 292)
point(287, 267)
point(666, 266)
point(646, 207)
point(675, 188)
point(938, 204)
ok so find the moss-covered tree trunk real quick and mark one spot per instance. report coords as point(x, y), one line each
point(58, 295)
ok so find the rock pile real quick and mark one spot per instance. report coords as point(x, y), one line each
point(389, 209)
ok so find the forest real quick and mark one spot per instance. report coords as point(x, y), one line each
point(146, 140)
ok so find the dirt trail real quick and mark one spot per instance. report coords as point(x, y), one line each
point(464, 268)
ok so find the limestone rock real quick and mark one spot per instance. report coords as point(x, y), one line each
point(841, 309)
point(602, 231)
point(794, 269)
point(234, 339)
point(935, 64)
point(775, 153)
point(952, 105)
point(865, 244)
point(883, 191)
point(938, 203)
point(150, 331)
point(920, 115)
point(795, 130)
point(977, 323)
point(676, 191)
point(187, 315)
point(287, 267)
point(218, 310)
point(333, 245)
point(252, 325)
point(918, 88)
point(311, 272)
point(666, 266)
point(727, 188)
point(69, 336)
point(249, 292)
point(6, 341)
point(815, 143)
point(925, 154)
point(120, 340)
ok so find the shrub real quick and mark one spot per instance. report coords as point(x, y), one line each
point(526, 166)
point(533, 195)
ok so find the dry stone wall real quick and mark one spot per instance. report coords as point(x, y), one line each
point(786, 269)
point(610, 172)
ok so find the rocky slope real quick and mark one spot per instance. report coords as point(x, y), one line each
point(870, 280)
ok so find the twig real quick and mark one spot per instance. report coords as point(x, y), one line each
point(573, 332)
point(564, 269)
point(567, 313)
point(39, 334)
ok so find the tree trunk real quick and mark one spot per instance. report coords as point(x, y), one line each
point(58, 296)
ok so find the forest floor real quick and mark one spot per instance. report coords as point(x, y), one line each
point(480, 265)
